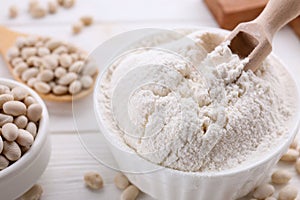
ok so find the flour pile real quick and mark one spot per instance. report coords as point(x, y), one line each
point(206, 116)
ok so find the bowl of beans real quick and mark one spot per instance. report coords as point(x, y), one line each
point(24, 145)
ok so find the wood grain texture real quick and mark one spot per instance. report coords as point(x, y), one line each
point(69, 161)
point(63, 178)
point(295, 24)
point(229, 13)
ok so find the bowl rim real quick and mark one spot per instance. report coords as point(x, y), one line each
point(26, 160)
point(230, 172)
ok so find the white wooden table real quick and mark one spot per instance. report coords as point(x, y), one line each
point(69, 161)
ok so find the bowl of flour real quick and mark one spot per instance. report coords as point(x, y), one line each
point(185, 121)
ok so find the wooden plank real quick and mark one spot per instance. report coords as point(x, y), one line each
point(295, 24)
point(63, 178)
point(232, 6)
point(69, 161)
point(229, 13)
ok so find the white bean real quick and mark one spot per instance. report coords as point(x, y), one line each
point(294, 144)
point(53, 44)
point(38, 12)
point(288, 193)
point(20, 68)
point(290, 156)
point(3, 162)
point(65, 60)
point(35, 193)
point(50, 61)
point(10, 131)
point(90, 69)
point(5, 98)
point(93, 180)
point(31, 40)
point(39, 44)
point(19, 93)
point(130, 193)
point(83, 56)
point(77, 27)
point(59, 72)
point(11, 150)
point(76, 67)
point(75, 87)
point(21, 121)
point(5, 119)
point(34, 112)
point(68, 3)
point(16, 60)
point(13, 52)
point(29, 73)
point(4, 89)
point(42, 87)
point(263, 191)
point(86, 20)
point(121, 181)
point(43, 51)
point(24, 149)
point(60, 89)
point(281, 177)
point(60, 50)
point(29, 100)
point(68, 78)
point(52, 84)
point(46, 75)
point(34, 61)
point(24, 138)
point(31, 82)
point(28, 51)
point(31, 128)
point(72, 49)
point(86, 81)
point(52, 7)
point(13, 11)
point(14, 108)
point(21, 42)
point(74, 56)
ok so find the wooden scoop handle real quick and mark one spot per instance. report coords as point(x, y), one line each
point(277, 14)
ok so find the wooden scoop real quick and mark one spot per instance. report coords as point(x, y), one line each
point(7, 40)
point(254, 39)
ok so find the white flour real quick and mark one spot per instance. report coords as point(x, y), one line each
point(210, 117)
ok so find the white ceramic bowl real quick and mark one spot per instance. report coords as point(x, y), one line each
point(168, 184)
point(24, 173)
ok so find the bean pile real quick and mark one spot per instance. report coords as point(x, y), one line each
point(19, 120)
point(51, 66)
point(281, 178)
point(130, 192)
point(94, 181)
point(34, 193)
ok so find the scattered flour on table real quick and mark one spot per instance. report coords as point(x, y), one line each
point(209, 116)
